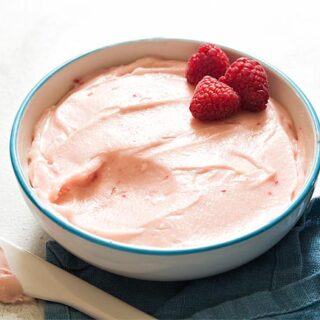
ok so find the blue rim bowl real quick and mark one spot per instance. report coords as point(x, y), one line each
point(148, 250)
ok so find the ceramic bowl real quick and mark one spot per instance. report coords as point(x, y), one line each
point(143, 262)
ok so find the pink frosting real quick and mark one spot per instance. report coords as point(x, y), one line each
point(10, 288)
point(121, 157)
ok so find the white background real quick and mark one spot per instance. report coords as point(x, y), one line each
point(36, 36)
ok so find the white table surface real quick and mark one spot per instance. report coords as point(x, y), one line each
point(36, 36)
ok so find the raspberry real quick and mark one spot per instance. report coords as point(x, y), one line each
point(213, 100)
point(248, 78)
point(208, 60)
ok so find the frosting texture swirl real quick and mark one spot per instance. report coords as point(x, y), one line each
point(121, 157)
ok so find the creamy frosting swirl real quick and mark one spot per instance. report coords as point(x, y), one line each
point(10, 288)
point(121, 157)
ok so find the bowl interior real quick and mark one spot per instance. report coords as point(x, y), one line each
point(56, 84)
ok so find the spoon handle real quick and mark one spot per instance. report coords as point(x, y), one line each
point(42, 280)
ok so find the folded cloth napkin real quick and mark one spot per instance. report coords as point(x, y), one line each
point(284, 283)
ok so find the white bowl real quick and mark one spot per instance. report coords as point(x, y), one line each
point(144, 262)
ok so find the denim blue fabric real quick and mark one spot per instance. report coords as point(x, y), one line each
point(284, 283)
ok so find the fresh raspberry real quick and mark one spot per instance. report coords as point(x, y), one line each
point(209, 60)
point(213, 100)
point(248, 78)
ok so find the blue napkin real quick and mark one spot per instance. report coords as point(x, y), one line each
point(284, 283)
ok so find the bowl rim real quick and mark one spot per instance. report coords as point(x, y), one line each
point(14, 157)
